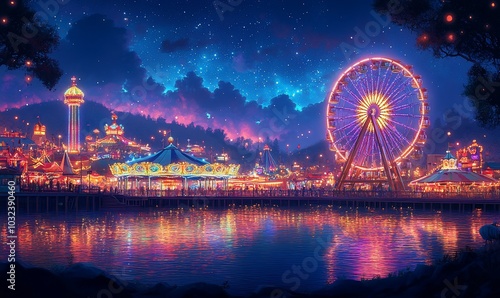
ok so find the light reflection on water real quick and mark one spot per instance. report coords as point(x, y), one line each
point(247, 247)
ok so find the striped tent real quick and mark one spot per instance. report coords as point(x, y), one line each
point(455, 176)
point(169, 155)
point(450, 177)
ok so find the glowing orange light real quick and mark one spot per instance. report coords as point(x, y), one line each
point(12, 3)
point(28, 63)
point(28, 79)
point(493, 4)
point(4, 21)
point(423, 38)
point(451, 37)
point(449, 18)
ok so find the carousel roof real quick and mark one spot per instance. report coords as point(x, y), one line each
point(449, 173)
point(172, 162)
point(454, 176)
point(169, 155)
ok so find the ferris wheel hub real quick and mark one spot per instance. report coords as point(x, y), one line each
point(374, 110)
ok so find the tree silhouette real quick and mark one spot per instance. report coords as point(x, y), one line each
point(25, 42)
point(483, 89)
point(458, 28)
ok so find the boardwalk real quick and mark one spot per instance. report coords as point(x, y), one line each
point(71, 201)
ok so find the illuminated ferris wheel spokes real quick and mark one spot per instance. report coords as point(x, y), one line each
point(376, 116)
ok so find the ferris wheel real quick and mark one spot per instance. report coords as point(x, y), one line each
point(376, 117)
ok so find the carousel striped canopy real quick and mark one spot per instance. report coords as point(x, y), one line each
point(172, 162)
point(169, 155)
point(455, 176)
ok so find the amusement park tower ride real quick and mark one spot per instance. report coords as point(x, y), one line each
point(73, 97)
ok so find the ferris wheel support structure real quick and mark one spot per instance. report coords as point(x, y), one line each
point(391, 170)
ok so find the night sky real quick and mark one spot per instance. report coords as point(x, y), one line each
point(257, 69)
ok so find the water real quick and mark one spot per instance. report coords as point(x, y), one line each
point(300, 249)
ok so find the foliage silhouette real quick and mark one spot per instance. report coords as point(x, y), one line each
point(26, 42)
point(461, 28)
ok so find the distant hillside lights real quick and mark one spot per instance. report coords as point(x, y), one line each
point(39, 133)
point(114, 144)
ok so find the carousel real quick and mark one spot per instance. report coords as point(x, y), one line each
point(171, 168)
point(451, 179)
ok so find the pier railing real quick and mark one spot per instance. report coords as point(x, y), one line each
point(41, 201)
point(310, 193)
point(279, 193)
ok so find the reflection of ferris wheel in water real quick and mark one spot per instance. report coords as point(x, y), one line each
point(376, 117)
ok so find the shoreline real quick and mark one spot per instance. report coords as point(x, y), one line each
point(468, 273)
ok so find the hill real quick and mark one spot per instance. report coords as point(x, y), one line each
point(143, 129)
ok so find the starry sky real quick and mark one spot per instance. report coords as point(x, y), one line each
point(254, 68)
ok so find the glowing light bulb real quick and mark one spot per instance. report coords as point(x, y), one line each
point(423, 38)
